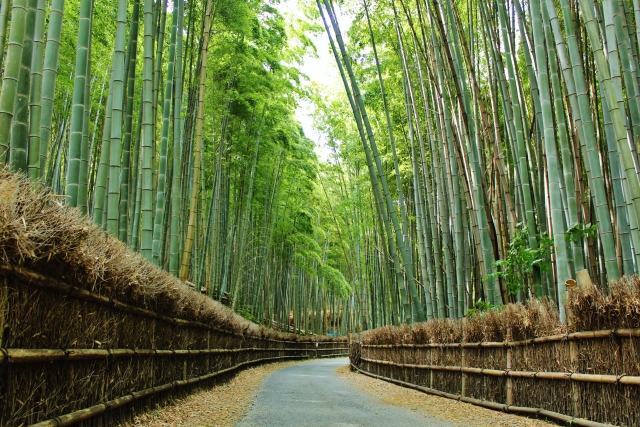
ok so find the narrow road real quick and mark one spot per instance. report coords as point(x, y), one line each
point(312, 394)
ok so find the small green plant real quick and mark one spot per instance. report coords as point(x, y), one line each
point(479, 307)
point(246, 313)
point(516, 270)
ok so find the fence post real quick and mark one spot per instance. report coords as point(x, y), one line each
point(404, 362)
point(574, 352)
point(431, 363)
point(4, 309)
point(154, 360)
point(208, 348)
point(509, 366)
point(463, 359)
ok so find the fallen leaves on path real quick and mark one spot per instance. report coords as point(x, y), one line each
point(460, 413)
point(221, 406)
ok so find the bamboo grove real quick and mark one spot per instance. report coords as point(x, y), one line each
point(500, 139)
point(171, 124)
point(482, 153)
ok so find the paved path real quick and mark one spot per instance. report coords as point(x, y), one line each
point(312, 394)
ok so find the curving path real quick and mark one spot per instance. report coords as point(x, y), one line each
point(312, 394)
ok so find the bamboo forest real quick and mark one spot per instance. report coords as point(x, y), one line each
point(466, 155)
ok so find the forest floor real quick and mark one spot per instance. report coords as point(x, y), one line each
point(458, 413)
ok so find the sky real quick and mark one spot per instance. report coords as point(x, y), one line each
point(321, 70)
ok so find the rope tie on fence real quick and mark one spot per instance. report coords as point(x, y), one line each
point(618, 378)
point(67, 359)
point(6, 358)
point(57, 421)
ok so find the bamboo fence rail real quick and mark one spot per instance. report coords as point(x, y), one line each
point(575, 336)
point(21, 355)
point(587, 378)
point(570, 376)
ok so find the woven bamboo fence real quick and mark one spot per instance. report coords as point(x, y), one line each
point(69, 355)
point(583, 378)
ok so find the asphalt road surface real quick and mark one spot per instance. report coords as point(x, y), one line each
point(312, 394)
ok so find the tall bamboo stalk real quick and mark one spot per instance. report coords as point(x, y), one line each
point(193, 206)
point(11, 74)
point(49, 76)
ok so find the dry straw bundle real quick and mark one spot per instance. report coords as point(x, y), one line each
point(39, 233)
point(617, 308)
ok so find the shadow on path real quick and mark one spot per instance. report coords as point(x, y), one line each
point(312, 394)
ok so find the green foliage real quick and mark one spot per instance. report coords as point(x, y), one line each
point(246, 313)
point(481, 307)
point(335, 281)
point(581, 231)
point(516, 270)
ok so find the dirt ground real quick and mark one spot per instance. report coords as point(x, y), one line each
point(460, 413)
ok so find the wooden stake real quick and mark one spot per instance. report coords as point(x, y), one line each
point(463, 360)
point(509, 363)
point(4, 308)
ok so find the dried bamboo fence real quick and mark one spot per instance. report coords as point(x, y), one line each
point(582, 378)
point(69, 355)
